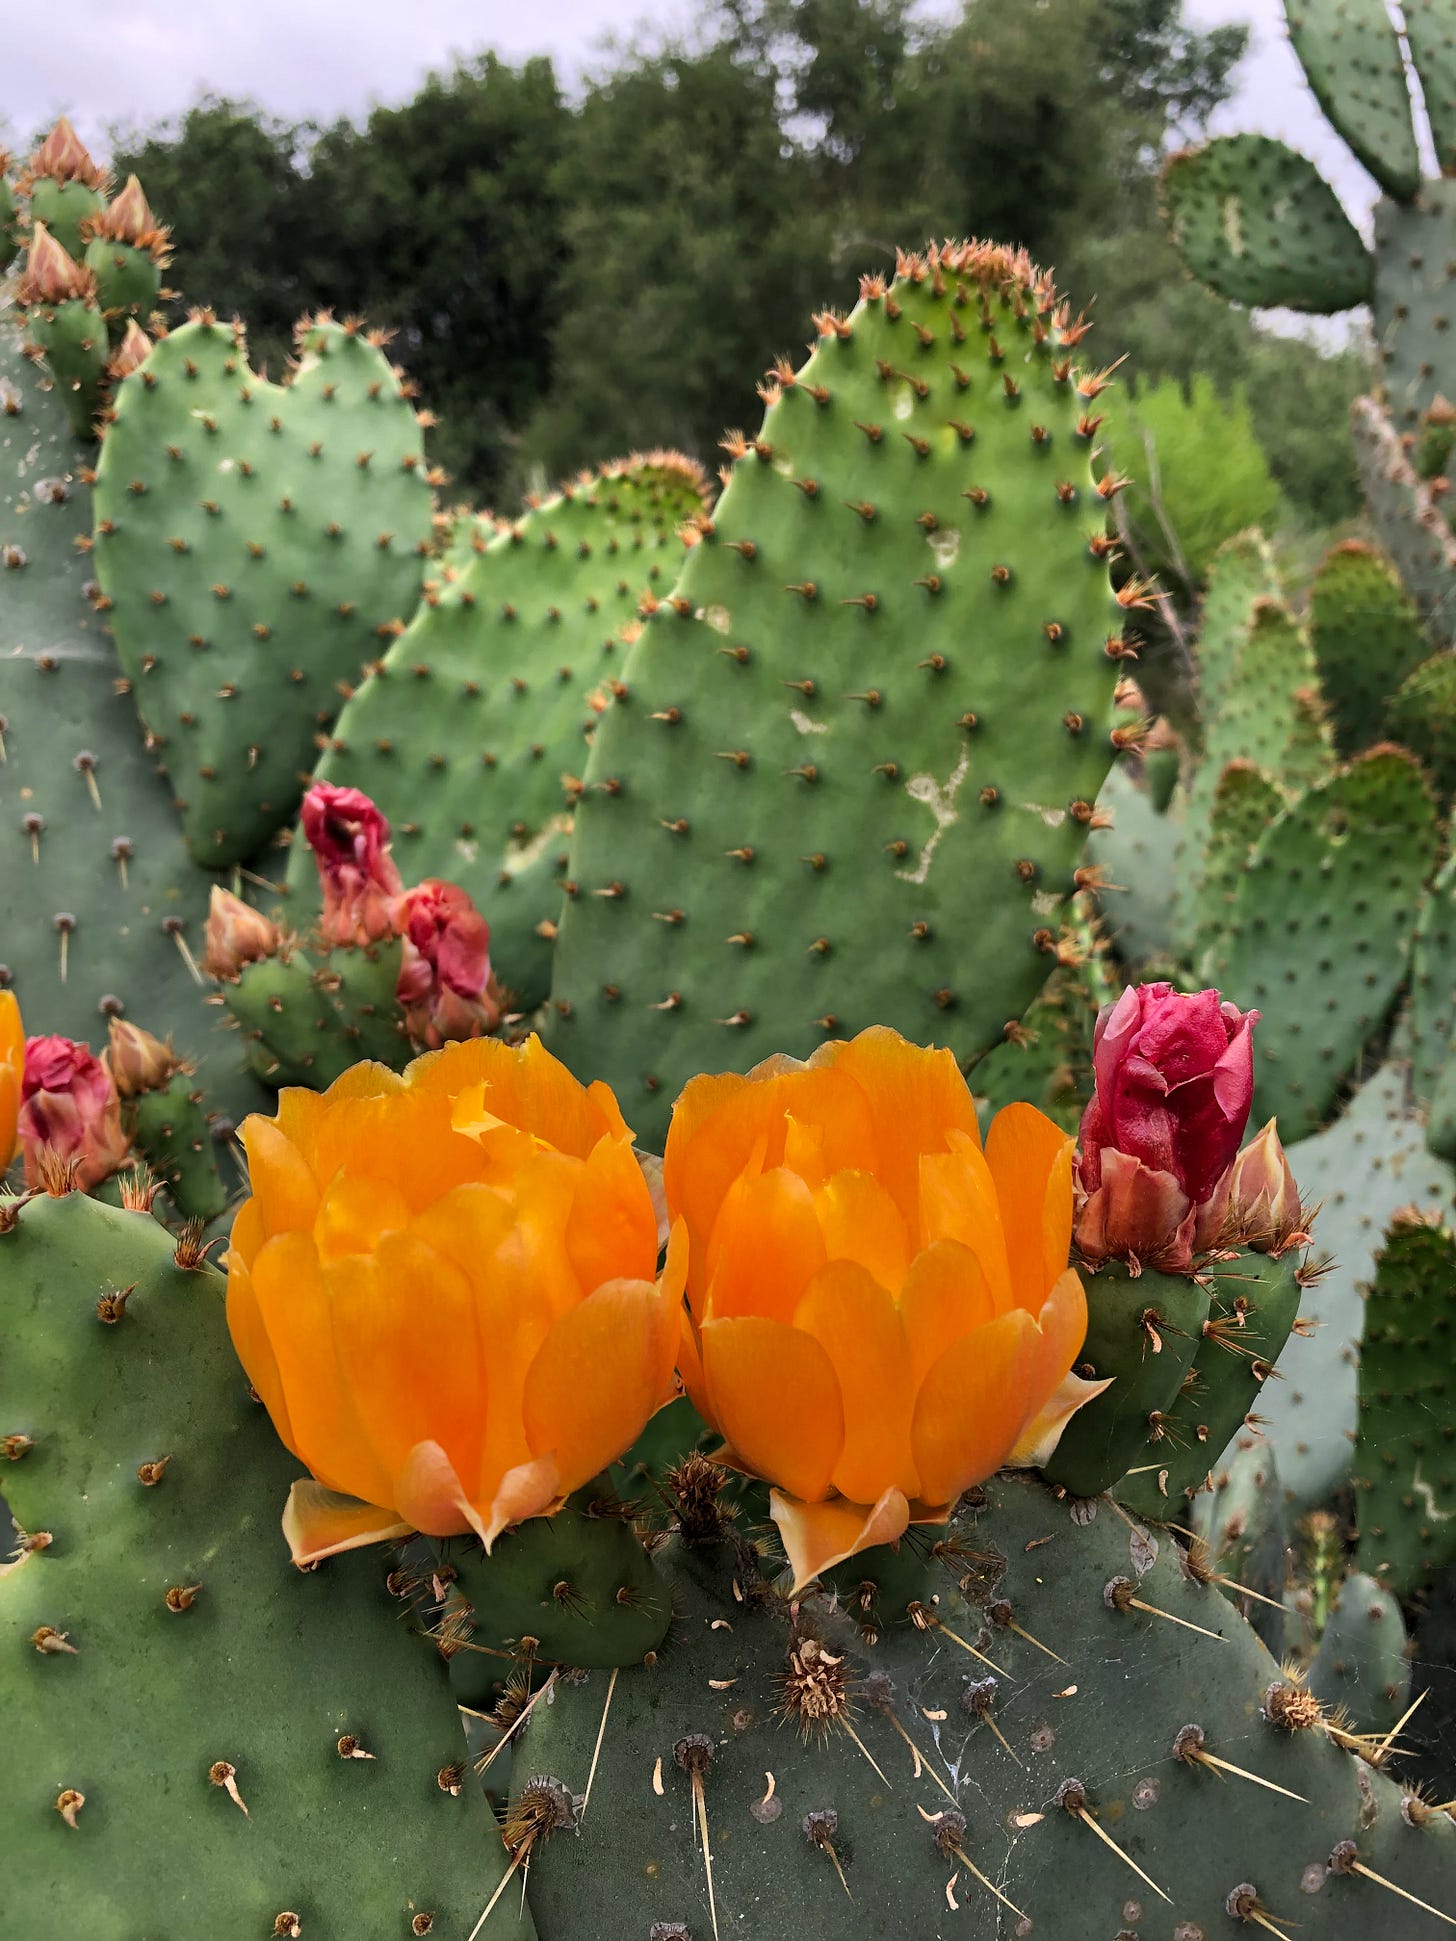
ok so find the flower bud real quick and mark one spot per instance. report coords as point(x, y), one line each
point(69, 1106)
point(52, 275)
point(139, 1062)
point(63, 157)
point(128, 219)
point(1264, 1210)
point(131, 353)
point(350, 841)
point(237, 935)
point(444, 978)
point(1174, 1080)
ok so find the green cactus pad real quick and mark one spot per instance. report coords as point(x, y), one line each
point(119, 874)
point(257, 544)
point(1361, 1668)
point(1423, 718)
point(1143, 1332)
point(1260, 225)
point(1241, 1517)
point(850, 772)
point(161, 1643)
point(63, 207)
point(1433, 1009)
point(1405, 1458)
point(1407, 521)
point(1367, 637)
point(1430, 31)
point(1245, 802)
point(1320, 930)
point(1359, 1173)
point(1353, 61)
point(1136, 856)
point(1049, 1061)
point(128, 279)
point(170, 1132)
point(472, 733)
point(1254, 1302)
point(305, 1019)
point(72, 338)
point(1242, 571)
point(800, 1815)
point(1415, 302)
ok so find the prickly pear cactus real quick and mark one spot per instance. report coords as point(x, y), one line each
point(1362, 1668)
point(855, 753)
point(473, 731)
point(199, 1738)
point(256, 544)
point(1366, 636)
point(1433, 1010)
point(1407, 521)
point(820, 1768)
point(1353, 62)
point(1241, 1517)
point(1405, 1460)
point(105, 910)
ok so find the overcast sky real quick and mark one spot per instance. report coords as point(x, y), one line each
point(138, 60)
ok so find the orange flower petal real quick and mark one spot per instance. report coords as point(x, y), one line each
point(319, 1523)
point(284, 1187)
point(1024, 1150)
point(530, 1489)
point(860, 1221)
point(765, 1249)
point(973, 1405)
point(611, 1230)
point(526, 1087)
point(816, 1536)
point(690, 1368)
point(1063, 1325)
point(356, 1212)
point(1037, 1443)
point(430, 1496)
point(915, 1097)
point(325, 1432)
point(1056, 1224)
point(946, 1294)
point(596, 1380)
point(775, 1397)
point(957, 1201)
point(856, 1322)
point(253, 1348)
point(248, 1234)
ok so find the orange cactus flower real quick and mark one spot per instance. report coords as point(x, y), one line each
point(12, 1072)
point(882, 1312)
point(445, 1290)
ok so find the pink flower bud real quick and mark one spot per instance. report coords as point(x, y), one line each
point(52, 275)
point(350, 841)
point(63, 157)
point(444, 978)
point(69, 1106)
point(139, 1062)
point(131, 353)
point(1174, 1078)
point(1264, 1210)
point(237, 935)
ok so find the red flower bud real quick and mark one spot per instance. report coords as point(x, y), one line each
point(69, 1106)
point(1264, 1211)
point(350, 841)
point(1174, 1082)
point(444, 979)
point(237, 935)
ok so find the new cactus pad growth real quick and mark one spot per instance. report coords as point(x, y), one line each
point(876, 702)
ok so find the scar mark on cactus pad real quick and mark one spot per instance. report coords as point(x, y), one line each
point(941, 803)
point(717, 617)
point(1233, 225)
point(806, 724)
point(1428, 1495)
point(945, 543)
point(1052, 817)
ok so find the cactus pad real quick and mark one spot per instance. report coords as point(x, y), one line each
point(256, 544)
point(1367, 637)
point(1423, 718)
point(1405, 1461)
point(1408, 523)
point(1430, 30)
point(1353, 61)
point(1361, 1666)
point(235, 1740)
point(1415, 301)
point(1433, 1008)
point(1260, 225)
point(850, 772)
point(1320, 930)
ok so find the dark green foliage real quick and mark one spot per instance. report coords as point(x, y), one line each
point(850, 774)
point(113, 862)
point(1262, 226)
point(256, 544)
point(778, 1851)
point(1143, 1332)
point(1405, 1458)
point(1254, 1302)
point(1320, 930)
point(177, 1642)
point(472, 733)
point(1366, 637)
point(1362, 1667)
point(1353, 61)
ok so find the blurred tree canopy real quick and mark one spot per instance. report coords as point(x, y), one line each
point(569, 277)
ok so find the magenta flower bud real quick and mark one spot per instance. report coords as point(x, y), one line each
point(69, 1106)
point(1174, 1080)
point(350, 841)
point(445, 976)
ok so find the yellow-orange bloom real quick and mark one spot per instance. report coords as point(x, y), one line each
point(882, 1313)
point(445, 1289)
point(12, 1071)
